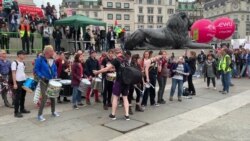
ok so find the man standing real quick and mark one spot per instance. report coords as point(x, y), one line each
point(45, 69)
point(57, 35)
point(46, 34)
point(201, 60)
point(119, 87)
point(111, 38)
point(19, 77)
point(24, 31)
point(87, 38)
point(225, 69)
point(5, 70)
point(32, 30)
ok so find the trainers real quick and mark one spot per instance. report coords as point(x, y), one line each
point(207, 87)
point(179, 99)
point(156, 105)
point(98, 101)
point(25, 111)
point(112, 117)
point(224, 92)
point(215, 88)
point(18, 115)
point(88, 102)
point(55, 114)
point(75, 107)
point(41, 118)
point(80, 104)
point(138, 108)
point(171, 98)
point(127, 118)
point(105, 107)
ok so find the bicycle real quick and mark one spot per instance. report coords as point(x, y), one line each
point(8, 90)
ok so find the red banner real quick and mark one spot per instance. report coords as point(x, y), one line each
point(32, 10)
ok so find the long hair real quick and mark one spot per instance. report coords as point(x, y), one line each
point(143, 57)
point(77, 58)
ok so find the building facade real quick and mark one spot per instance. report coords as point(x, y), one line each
point(238, 10)
point(119, 11)
point(193, 9)
point(153, 13)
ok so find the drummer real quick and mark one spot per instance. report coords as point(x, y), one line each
point(45, 69)
point(108, 85)
point(63, 70)
point(90, 65)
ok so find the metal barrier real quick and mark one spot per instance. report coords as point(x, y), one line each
point(11, 42)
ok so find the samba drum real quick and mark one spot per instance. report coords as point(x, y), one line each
point(84, 85)
point(96, 84)
point(30, 85)
point(54, 88)
point(111, 76)
point(66, 88)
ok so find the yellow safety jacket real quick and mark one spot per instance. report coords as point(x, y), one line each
point(223, 66)
point(22, 30)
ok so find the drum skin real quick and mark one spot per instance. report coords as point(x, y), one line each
point(30, 85)
point(131, 75)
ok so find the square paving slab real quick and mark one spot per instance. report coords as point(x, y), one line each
point(124, 126)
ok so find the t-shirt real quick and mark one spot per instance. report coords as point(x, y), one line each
point(179, 72)
point(20, 70)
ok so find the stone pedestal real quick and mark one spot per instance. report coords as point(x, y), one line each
point(26, 2)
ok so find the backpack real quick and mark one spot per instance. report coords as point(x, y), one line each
point(185, 92)
point(129, 75)
point(10, 79)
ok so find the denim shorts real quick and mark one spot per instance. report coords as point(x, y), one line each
point(119, 88)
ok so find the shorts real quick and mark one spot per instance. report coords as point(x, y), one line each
point(119, 88)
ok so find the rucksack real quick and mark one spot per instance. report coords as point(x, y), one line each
point(129, 75)
point(185, 92)
point(10, 79)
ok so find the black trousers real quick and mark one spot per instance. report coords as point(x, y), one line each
point(32, 42)
point(111, 44)
point(191, 88)
point(150, 92)
point(46, 41)
point(5, 42)
point(26, 44)
point(213, 81)
point(107, 92)
point(131, 92)
point(58, 45)
point(20, 94)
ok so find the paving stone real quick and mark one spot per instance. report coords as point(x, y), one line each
point(126, 125)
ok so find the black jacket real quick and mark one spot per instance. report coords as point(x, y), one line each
point(192, 64)
point(109, 36)
point(90, 65)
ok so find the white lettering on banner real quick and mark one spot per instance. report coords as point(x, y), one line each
point(226, 31)
point(225, 24)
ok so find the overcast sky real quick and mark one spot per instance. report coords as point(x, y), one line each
point(44, 2)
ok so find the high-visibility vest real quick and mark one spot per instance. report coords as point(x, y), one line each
point(22, 30)
point(223, 64)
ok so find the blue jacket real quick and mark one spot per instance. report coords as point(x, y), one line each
point(43, 70)
point(248, 59)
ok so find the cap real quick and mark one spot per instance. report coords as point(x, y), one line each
point(91, 52)
point(21, 52)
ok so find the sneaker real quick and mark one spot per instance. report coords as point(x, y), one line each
point(59, 101)
point(156, 105)
point(98, 101)
point(66, 100)
point(25, 111)
point(88, 102)
point(170, 98)
point(138, 108)
point(80, 104)
point(18, 115)
point(112, 117)
point(55, 114)
point(221, 91)
point(109, 105)
point(130, 111)
point(127, 118)
point(215, 88)
point(143, 107)
point(179, 99)
point(162, 102)
point(224, 92)
point(41, 118)
point(75, 107)
point(105, 107)
point(207, 87)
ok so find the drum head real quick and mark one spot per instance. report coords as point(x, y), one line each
point(86, 81)
point(55, 83)
point(97, 79)
point(65, 82)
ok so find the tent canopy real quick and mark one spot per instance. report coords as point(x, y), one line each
point(79, 21)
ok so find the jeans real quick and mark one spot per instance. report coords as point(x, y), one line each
point(20, 94)
point(162, 81)
point(200, 68)
point(176, 82)
point(225, 78)
point(44, 87)
point(76, 97)
point(248, 69)
point(26, 44)
point(58, 45)
point(150, 91)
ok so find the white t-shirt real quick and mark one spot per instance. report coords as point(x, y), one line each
point(20, 70)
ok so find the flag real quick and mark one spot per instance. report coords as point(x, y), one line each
point(116, 23)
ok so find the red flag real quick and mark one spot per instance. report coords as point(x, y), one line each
point(116, 23)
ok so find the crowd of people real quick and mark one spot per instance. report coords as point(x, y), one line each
point(222, 63)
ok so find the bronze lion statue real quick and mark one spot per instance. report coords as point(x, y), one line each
point(174, 35)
